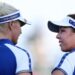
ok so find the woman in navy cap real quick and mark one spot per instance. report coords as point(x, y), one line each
point(65, 30)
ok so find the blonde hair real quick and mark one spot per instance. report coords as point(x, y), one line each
point(6, 9)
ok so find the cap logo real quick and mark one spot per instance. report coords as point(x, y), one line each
point(72, 22)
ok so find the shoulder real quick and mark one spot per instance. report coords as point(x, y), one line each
point(71, 58)
point(18, 51)
point(66, 64)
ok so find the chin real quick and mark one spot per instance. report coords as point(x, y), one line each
point(65, 50)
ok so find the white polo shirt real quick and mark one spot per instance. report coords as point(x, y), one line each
point(67, 63)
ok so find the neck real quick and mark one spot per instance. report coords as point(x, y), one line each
point(3, 36)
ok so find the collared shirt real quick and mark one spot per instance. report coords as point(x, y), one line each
point(13, 59)
point(67, 63)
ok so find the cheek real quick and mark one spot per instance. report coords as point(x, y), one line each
point(17, 32)
point(19, 29)
point(67, 44)
point(66, 40)
point(64, 43)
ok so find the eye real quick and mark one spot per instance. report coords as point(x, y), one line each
point(62, 30)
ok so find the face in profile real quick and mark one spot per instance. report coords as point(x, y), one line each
point(66, 37)
point(16, 31)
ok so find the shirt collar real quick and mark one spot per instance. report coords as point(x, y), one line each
point(3, 41)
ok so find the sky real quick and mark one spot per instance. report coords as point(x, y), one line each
point(38, 12)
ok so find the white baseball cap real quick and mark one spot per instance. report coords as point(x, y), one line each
point(12, 17)
point(68, 21)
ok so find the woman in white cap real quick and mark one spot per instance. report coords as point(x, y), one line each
point(13, 59)
point(66, 35)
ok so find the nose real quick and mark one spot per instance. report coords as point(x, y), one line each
point(58, 36)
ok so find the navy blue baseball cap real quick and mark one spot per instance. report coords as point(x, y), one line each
point(68, 21)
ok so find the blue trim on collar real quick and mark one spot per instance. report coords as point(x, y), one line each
point(73, 50)
point(63, 58)
point(3, 41)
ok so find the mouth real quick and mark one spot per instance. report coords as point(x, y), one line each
point(60, 43)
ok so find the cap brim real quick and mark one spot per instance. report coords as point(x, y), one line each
point(23, 21)
point(53, 27)
point(12, 17)
point(65, 22)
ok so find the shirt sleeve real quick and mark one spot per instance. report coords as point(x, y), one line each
point(23, 59)
point(65, 65)
point(23, 62)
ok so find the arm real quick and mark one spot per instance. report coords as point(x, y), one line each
point(57, 72)
point(24, 73)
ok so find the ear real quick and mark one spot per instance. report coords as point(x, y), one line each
point(11, 25)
